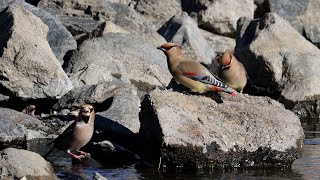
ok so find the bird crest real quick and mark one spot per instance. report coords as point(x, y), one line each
point(226, 59)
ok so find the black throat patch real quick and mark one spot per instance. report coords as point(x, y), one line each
point(85, 118)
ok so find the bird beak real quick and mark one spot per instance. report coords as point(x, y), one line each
point(86, 111)
point(160, 48)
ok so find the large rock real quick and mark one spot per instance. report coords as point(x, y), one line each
point(291, 11)
point(219, 43)
point(119, 56)
point(125, 108)
point(17, 128)
point(59, 38)
point(5, 3)
point(278, 59)
point(159, 11)
point(183, 30)
point(195, 131)
point(28, 67)
point(19, 164)
point(311, 23)
point(82, 17)
point(219, 16)
point(302, 15)
point(11, 135)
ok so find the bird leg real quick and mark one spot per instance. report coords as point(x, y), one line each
point(83, 153)
point(76, 156)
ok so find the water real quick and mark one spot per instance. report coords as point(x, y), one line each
point(307, 168)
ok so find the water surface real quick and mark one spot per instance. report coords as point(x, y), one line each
point(307, 168)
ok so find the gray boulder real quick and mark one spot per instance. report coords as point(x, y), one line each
point(311, 22)
point(17, 128)
point(183, 30)
point(219, 16)
point(110, 27)
point(302, 15)
point(125, 108)
point(82, 17)
point(278, 59)
point(119, 56)
point(5, 3)
point(195, 131)
point(18, 163)
point(59, 38)
point(29, 69)
point(11, 134)
point(77, 16)
point(219, 43)
point(158, 12)
point(291, 11)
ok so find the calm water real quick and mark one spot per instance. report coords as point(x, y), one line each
point(307, 167)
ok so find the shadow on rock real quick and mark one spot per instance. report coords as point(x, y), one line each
point(112, 142)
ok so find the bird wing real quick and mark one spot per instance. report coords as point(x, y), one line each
point(196, 71)
point(62, 138)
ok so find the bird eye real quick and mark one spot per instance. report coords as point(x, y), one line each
point(168, 48)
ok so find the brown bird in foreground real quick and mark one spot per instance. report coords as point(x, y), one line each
point(232, 71)
point(78, 134)
point(191, 73)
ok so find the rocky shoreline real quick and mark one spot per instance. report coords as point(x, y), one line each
point(58, 54)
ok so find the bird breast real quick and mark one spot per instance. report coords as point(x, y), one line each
point(82, 133)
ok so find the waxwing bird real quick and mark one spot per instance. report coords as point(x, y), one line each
point(191, 73)
point(78, 134)
point(232, 71)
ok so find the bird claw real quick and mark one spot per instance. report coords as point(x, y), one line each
point(84, 153)
point(79, 157)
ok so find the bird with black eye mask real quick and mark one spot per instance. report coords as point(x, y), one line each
point(191, 73)
point(232, 71)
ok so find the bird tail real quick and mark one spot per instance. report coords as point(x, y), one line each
point(228, 90)
point(47, 154)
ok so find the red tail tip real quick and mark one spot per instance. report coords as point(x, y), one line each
point(233, 94)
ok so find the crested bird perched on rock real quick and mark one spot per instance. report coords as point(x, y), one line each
point(191, 73)
point(78, 134)
point(232, 71)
